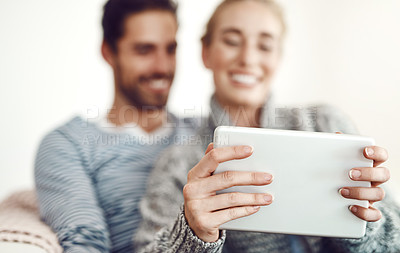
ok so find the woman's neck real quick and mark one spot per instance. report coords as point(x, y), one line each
point(245, 116)
point(242, 115)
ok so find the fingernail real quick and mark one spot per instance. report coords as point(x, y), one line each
point(344, 192)
point(248, 149)
point(256, 207)
point(267, 198)
point(353, 209)
point(369, 151)
point(268, 177)
point(354, 174)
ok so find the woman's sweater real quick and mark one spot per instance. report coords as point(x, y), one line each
point(164, 227)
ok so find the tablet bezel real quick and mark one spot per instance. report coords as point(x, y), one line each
point(323, 212)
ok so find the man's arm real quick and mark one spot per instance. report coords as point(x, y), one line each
point(67, 199)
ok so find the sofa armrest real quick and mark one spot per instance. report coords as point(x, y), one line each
point(16, 247)
point(21, 226)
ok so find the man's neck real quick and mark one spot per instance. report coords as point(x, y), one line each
point(148, 120)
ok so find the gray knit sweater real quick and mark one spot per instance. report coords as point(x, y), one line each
point(164, 228)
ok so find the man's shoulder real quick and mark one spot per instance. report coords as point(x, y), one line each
point(74, 130)
point(77, 123)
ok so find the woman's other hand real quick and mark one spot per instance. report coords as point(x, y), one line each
point(377, 175)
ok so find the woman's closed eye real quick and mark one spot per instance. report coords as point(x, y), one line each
point(232, 41)
point(266, 45)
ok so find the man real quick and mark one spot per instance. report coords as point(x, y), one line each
point(90, 176)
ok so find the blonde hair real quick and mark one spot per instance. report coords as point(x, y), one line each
point(276, 9)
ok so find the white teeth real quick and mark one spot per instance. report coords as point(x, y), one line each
point(244, 79)
point(159, 84)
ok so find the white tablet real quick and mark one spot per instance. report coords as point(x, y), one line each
point(308, 168)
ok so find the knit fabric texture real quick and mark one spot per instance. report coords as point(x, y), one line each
point(164, 229)
point(20, 222)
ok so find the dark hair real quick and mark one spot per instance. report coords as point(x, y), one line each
point(116, 12)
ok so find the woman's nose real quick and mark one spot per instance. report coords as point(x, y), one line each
point(248, 55)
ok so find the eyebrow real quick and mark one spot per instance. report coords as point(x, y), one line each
point(140, 45)
point(237, 31)
point(231, 30)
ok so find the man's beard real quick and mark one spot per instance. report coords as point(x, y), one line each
point(132, 91)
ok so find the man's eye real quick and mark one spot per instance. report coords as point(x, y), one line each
point(143, 50)
point(171, 49)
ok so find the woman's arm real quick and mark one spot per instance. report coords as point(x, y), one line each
point(164, 227)
point(197, 227)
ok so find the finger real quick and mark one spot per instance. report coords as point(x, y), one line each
point(228, 179)
point(363, 193)
point(367, 214)
point(378, 154)
point(235, 199)
point(214, 157)
point(338, 132)
point(234, 213)
point(209, 148)
point(377, 175)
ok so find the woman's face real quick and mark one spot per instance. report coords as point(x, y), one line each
point(244, 53)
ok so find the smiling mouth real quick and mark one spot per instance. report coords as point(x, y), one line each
point(158, 85)
point(244, 79)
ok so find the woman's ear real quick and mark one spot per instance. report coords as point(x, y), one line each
point(205, 55)
point(107, 53)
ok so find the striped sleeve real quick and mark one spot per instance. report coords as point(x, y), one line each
point(67, 197)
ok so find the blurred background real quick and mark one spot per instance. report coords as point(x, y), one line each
point(344, 53)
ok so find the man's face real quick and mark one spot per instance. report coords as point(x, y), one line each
point(144, 64)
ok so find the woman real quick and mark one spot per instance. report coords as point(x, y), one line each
point(242, 47)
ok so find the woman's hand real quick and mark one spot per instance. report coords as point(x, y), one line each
point(377, 176)
point(205, 211)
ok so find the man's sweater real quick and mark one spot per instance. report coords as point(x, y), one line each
point(164, 227)
point(90, 180)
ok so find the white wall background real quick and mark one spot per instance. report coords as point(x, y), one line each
point(345, 53)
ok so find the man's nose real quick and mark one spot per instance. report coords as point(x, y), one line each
point(164, 62)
